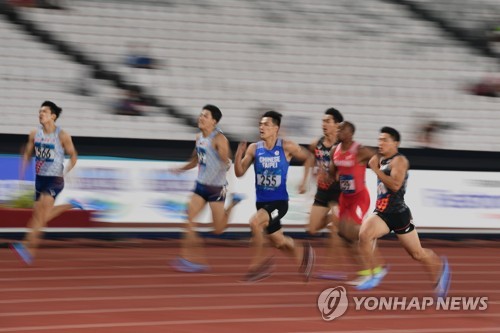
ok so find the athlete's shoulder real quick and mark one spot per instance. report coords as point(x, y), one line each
point(61, 132)
point(288, 144)
point(220, 137)
point(252, 148)
point(315, 144)
point(401, 159)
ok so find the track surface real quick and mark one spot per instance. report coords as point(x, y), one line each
point(110, 287)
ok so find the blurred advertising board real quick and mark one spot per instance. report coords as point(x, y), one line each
point(142, 191)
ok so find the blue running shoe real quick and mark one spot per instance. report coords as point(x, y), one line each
point(22, 252)
point(237, 198)
point(444, 280)
point(369, 283)
point(383, 272)
point(186, 266)
point(76, 204)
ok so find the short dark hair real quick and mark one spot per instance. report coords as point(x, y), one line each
point(275, 116)
point(350, 125)
point(392, 132)
point(54, 109)
point(337, 116)
point(215, 111)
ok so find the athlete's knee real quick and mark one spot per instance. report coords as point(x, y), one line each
point(255, 225)
point(311, 230)
point(281, 244)
point(344, 237)
point(218, 230)
point(365, 237)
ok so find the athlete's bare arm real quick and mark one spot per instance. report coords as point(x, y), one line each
point(28, 152)
point(293, 150)
point(308, 165)
point(365, 154)
point(399, 166)
point(221, 145)
point(241, 164)
point(69, 149)
point(333, 169)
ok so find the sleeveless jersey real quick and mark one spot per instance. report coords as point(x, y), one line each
point(49, 153)
point(211, 169)
point(323, 160)
point(387, 200)
point(351, 173)
point(271, 169)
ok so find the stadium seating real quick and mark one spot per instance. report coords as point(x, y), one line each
point(373, 60)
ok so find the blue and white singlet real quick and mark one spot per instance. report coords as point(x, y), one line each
point(271, 169)
point(49, 153)
point(211, 169)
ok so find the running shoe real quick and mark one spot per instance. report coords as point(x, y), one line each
point(76, 204)
point(236, 198)
point(22, 252)
point(308, 260)
point(186, 266)
point(382, 273)
point(373, 280)
point(444, 280)
point(263, 271)
point(369, 283)
point(359, 280)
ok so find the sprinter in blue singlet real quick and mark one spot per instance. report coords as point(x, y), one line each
point(271, 158)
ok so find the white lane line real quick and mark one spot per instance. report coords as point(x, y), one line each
point(427, 316)
point(220, 284)
point(173, 308)
point(164, 265)
point(417, 330)
point(205, 275)
point(230, 295)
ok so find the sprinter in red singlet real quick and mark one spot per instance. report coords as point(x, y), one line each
point(350, 159)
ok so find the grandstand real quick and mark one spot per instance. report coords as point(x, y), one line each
point(376, 61)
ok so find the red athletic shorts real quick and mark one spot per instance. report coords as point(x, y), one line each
point(354, 206)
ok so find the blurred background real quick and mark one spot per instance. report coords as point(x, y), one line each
point(132, 77)
point(143, 69)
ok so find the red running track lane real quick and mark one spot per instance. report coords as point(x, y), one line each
point(130, 288)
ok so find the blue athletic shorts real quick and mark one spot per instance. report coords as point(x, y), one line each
point(48, 184)
point(210, 193)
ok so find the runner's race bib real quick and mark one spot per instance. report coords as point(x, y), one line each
point(45, 151)
point(347, 184)
point(268, 180)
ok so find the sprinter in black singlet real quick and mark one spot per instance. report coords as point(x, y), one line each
point(392, 214)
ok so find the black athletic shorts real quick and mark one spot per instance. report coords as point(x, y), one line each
point(323, 198)
point(400, 223)
point(276, 210)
